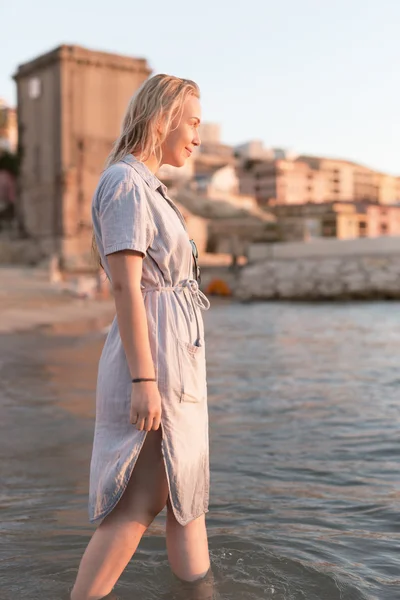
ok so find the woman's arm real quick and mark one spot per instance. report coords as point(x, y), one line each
point(126, 272)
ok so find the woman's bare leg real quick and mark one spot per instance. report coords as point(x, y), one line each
point(187, 547)
point(117, 537)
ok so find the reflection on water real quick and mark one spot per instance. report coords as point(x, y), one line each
point(304, 414)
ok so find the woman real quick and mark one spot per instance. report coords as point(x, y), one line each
point(151, 437)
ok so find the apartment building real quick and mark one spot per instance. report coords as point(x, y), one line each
point(313, 179)
point(342, 220)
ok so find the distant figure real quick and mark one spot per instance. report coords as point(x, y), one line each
point(234, 261)
point(151, 436)
point(234, 254)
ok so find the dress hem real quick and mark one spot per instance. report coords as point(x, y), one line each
point(118, 495)
point(96, 518)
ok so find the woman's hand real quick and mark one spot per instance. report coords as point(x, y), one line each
point(145, 406)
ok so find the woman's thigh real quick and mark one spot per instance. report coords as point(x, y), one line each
point(147, 491)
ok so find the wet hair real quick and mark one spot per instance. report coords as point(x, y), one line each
point(149, 116)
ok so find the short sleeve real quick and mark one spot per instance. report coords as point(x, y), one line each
point(124, 218)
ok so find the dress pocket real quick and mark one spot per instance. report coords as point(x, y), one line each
point(192, 372)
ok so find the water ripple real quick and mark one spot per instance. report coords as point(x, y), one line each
point(304, 430)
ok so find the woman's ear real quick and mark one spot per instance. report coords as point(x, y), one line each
point(161, 126)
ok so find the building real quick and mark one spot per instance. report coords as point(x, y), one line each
point(218, 180)
point(255, 150)
point(389, 188)
point(222, 185)
point(175, 177)
point(8, 128)
point(288, 180)
point(71, 102)
point(211, 153)
point(342, 220)
point(210, 133)
point(282, 181)
point(335, 179)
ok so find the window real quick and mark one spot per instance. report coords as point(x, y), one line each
point(362, 229)
point(35, 87)
point(384, 228)
point(329, 228)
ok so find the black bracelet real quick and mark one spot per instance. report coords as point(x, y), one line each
point(143, 379)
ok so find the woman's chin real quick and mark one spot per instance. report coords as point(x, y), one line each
point(178, 162)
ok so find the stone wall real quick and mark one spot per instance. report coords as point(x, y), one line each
point(323, 270)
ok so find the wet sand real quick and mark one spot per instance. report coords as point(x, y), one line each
point(29, 300)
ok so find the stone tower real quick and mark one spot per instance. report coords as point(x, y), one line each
point(71, 102)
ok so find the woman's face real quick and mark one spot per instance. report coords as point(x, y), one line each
point(184, 134)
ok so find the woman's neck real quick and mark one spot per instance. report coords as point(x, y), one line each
point(151, 163)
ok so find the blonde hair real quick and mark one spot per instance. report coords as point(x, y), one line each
point(149, 116)
point(148, 120)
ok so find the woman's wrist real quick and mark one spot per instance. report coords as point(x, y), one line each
point(140, 379)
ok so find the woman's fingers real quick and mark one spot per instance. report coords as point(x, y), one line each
point(140, 423)
point(153, 422)
point(146, 422)
point(156, 422)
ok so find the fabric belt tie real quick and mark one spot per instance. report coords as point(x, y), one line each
point(192, 286)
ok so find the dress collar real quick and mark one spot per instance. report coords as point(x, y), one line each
point(152, 181)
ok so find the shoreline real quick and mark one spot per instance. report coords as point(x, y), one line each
point(29, 301)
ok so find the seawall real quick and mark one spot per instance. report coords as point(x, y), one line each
point(323, 269)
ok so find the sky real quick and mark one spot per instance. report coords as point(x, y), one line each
point(312, 76)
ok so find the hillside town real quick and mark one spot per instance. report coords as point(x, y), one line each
point(70, 103)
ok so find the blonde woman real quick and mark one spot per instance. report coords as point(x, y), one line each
point(151, 437)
